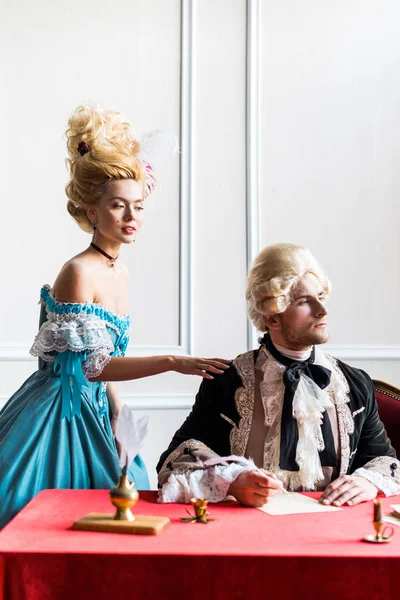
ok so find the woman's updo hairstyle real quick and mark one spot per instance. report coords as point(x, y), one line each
point(274, 273)
point(101, 147)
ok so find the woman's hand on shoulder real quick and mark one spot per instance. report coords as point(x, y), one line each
point(189, 365)
point(73, 283)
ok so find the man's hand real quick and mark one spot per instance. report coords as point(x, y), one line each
point(350, 490)
point(254, 488)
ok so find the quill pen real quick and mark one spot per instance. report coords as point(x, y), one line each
point(130, 433)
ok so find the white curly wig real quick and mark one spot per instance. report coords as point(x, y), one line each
point(274, 273)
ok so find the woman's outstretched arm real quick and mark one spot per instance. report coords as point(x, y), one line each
point(122, 368)
point(74, 284)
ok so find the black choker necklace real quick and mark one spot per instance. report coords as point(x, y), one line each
point(112, 259)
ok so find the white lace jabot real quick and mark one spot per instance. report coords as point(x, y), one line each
point(309, 404)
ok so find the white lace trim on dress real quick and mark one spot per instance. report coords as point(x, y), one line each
point(93, 366)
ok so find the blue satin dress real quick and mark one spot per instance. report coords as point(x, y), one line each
point(55, 431)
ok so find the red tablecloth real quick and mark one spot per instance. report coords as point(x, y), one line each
point(243, 553)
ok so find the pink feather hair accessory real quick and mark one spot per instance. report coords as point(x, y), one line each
point(155, 147)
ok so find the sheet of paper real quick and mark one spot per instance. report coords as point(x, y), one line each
point(293, 503)
point(391, 520)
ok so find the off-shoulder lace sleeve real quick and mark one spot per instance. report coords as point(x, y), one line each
point(86, 334)
point(80, 346)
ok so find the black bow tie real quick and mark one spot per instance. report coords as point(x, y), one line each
point(295, 368)
point(289, 432)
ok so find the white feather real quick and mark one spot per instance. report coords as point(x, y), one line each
point(130, 433)
point(157, 145)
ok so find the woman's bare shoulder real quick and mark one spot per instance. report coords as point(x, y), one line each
point(74, 281)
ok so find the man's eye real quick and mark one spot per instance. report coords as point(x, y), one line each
point(119, 206)
point(139, 208)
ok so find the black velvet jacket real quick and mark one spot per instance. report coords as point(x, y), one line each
point(218, 416)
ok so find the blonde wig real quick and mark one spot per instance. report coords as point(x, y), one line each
point(101, 147)
point(274, 273)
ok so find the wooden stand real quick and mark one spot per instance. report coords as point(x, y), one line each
point(142, 524)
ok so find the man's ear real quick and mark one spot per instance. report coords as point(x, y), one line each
point(273, 322)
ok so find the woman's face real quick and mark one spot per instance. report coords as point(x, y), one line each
point(119, 213)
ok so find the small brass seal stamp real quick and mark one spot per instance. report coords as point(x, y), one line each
point(200, 512)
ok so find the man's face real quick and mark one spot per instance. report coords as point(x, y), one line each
point(303, 323)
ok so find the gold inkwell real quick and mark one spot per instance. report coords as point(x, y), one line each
point(125, 496)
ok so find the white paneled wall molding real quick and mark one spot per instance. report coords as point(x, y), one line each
point(252, 142)
point(186, 180)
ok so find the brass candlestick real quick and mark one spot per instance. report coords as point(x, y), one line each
point(382, 535)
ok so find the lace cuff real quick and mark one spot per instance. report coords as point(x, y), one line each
point(93, 366)
point(386, 485)
point(212, 483)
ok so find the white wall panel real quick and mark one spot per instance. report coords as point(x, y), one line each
point(58, 56)
point(330, 151)
point(219, 311)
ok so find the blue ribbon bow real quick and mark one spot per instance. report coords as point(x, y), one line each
point(68, 364)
